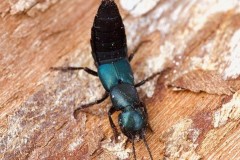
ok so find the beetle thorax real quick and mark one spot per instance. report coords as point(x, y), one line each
point(124, 96)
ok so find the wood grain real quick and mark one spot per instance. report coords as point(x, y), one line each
point(194, 106)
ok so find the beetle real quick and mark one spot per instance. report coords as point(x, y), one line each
point(109, 51)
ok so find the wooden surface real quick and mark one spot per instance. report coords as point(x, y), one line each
point(194, 107)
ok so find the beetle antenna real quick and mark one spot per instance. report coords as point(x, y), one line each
point(133, 148)
point(108, 0)
point(148, 149)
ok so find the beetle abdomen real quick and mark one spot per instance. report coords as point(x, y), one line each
point(108, 39)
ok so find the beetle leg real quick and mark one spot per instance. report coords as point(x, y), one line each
point(136, 49)
point(76, 111)
point(147, 79)
point(146, 115)
point(113, 126)
point(86, 69)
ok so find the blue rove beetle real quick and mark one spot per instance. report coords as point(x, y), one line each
point(109, 50)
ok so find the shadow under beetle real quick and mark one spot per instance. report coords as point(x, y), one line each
point(109, 50)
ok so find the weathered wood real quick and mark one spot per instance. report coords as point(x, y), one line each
point(194, 107)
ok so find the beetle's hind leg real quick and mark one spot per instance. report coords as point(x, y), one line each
point(147, 79)
point(136, 49)
point(65, 69)
point(77, 110)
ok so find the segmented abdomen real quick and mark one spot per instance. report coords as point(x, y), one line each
point(108, 39)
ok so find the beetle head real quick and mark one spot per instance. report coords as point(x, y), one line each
point(132, 123)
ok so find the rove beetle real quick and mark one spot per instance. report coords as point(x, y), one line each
point(109, 50)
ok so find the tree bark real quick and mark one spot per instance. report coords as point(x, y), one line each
point(193, 106)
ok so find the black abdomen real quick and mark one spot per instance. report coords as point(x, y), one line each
point(108, 39)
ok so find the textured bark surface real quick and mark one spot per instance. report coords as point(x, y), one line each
point(194, 106)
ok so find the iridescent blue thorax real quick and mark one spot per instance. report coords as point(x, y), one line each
point(111, 74)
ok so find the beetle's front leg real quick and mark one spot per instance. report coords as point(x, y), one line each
point(143, 106)
point(113, 126)
point(77, 110)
